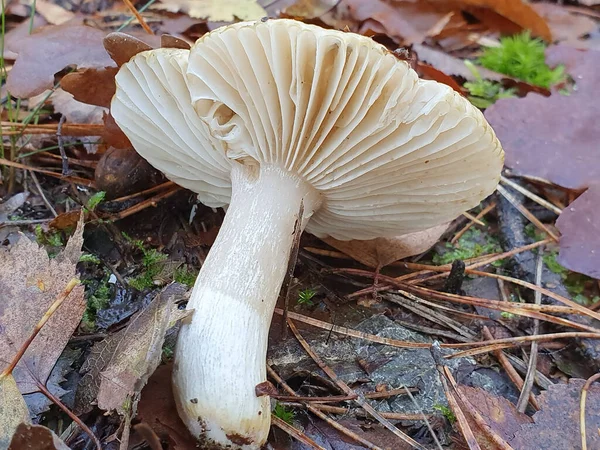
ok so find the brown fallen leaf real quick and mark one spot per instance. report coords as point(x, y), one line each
point(579, 225)
point(215, 10)
point(113, 135)
point(14, 37)
point(43, 54)
point(383, 251)
point(118, 367)
point(122, 46)
point(564, 24)
point(35, 437)
point(556, 424)
point(310, 9)
point(29, 283)
point(13, 410)
point(561, 130)
point(91, 86)
point(168, 41)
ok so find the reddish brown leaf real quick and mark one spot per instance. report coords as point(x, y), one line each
point(168, 41)
point(122, 47)
point(66, 220)
point(557, 423)
point(431, 73)
point(113, 135)
point(555, 137)
point(43, 54)
point(29, 282)
point(579, 225)
point(92, 86)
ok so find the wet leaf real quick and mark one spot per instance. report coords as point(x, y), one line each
point(35, 437)
point(383, 251)
point(13, 409)
point(118, 367)
point(29, 283)
point(538, 135)
point(579, 225)
point(216, 10)
point(49, 51)
point(556, 425)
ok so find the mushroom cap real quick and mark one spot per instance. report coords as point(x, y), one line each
point(388, 153)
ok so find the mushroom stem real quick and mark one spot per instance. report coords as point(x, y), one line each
point(221, 354)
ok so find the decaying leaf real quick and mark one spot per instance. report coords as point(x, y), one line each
point(383, 251)
point(35, 437)
point(13, 410)
point(539, 134)
point(74, 110)
point(216, 10)
point(43, 54)
point(309, 9)
point(579, 225)
point(91, 86)
point(29, 283)
point(557, 423)
point(118, 367)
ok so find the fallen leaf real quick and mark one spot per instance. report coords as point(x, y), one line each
point(76, 111)
point(556, 129)
point(157, 409)
point(497, 412)
point(36, 437)
point(383, 251)
point(91, 86)
point(564, 25)
point(556, 425)
point(215, 10)
point(13, 409)
point(14, 37)
point(118, 367)
point(43, 54)
point(113, 135)
point(428, 72)
point(12, 204)
point(579, 225)
point(29, 283)
point(53, 13)
point(122, 47)
point(590, 2)
point(168, 41)
point(310, 9)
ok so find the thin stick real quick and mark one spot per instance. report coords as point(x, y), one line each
point(45, 200)
point(359, 399)
point(152, 201)
point(76, 180)
point(582, 402)
point(59, 301)
point(151, 190)
point(315, 410)
point(479, 216)
point(138, 16)
point(76, 130)
point(528, 215)
point(296, 434)
point(344, 411)
point(530, 195)
point(532, 366)
point(61, 147)
point(473, 219)
point(285, 287)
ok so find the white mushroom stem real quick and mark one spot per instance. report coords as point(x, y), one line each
point(221, 354)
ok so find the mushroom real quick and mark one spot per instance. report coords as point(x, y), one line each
point(270, 115)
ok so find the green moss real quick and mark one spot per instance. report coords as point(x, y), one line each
point(575, 283)
point(472, 244)
point(53, 239)
point(98, 296)
point(185, 275)
point(522, 57)
point(283, 413)
point(305, 297)
point(446, 412)
point(484, 93)
point(95, 200)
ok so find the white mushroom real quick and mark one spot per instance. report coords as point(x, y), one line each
point(267, 115)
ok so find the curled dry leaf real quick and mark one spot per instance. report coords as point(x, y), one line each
point(118, 367)
point(579, 225)
point(29, 283)
point(383, 251)
point(13, 410)
point(43, 54)
point(91, 86)
point(35, 437)
point(556, 424)
point(215, 10)
point(555, 129)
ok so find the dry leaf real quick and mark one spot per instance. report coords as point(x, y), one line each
point(113, 135)
point(14, 38)
point(310, 9)
point(579, 225)
point(49, 51)
point(557, 423)
point(75, 111)
point(168, 41)
point(53, 13)
point(35, 437)
point(13, 410)
point(29, 283)
point(122, 47)
point(555, 137)
point(118, 367)
point(215, 10)
point(91, 86)
point(383, 251)
point(564, 25)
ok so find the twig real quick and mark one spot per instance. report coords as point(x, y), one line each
point(534, 220)
point(151, 190)
point(144, 204)
point(39, 188)
point(473, 219)
point(61, 147)
point(479, 216)
point(77, 130)
point(582, 402)
point(285, 287)
point(24, 222)
point(530, 195)
point(344, 411)
point(76, 180)
point(59, 301)
point(532, 366)
point(314, 410)
point(138, 16)
point(297, 434)
point(359, 399)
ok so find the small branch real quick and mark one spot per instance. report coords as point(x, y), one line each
point(39, 188)
point(61, 146)
point(582, 402)
point(138, 16)
point(296, 434)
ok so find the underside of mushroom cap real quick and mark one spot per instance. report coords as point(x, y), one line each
point(387, 152)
